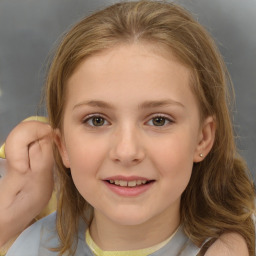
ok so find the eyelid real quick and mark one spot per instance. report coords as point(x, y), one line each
point(90, 116)
point(167, 117)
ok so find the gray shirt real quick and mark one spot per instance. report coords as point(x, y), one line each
point(40, 236)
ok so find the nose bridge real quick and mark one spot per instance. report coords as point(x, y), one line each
point(127, 145)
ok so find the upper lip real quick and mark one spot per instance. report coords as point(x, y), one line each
point(127, 178)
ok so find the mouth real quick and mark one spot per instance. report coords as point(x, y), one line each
point(129, 184)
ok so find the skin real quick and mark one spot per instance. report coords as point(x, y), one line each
point(27, 182)
point(128, 88)
point(231, 244)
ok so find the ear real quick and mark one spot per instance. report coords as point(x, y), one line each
point(205, 139)
point(60, 143)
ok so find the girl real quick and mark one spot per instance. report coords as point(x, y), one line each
point(146, 161)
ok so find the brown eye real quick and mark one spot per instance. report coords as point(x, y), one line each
point(159, 121)
point(98, 121)
point(95, 121)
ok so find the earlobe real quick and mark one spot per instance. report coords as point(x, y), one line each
point(205, 139)
point(61, 147)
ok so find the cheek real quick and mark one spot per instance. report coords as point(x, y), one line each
point(175, 169)
point(173, 157)
point(84, 166)
point(174, 150)
point(85, 157)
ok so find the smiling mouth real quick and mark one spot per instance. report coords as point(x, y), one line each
point(132, 183)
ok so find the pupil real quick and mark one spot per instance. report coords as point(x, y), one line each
point(98, 121)
point(159, 121)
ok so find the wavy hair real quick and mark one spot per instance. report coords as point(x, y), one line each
point(220, 195)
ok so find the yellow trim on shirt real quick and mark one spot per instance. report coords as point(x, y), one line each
point(142, 252)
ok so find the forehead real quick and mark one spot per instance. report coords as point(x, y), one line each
point(143, 48)
point(128, 54)
point(126, 70)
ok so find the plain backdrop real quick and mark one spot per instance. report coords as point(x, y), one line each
point(29, 30)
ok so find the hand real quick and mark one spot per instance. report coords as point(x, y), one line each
point(27, 182)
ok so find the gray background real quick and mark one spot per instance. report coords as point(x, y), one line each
point(29, 30)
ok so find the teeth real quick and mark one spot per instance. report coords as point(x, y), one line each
point(123, 183)
point(132, 183)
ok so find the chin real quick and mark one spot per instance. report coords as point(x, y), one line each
point(129, 219)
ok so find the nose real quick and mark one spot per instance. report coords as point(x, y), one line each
point(127, 147)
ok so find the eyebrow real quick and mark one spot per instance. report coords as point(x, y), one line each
point(144, 105)
point(94, 103)
point(160, 103)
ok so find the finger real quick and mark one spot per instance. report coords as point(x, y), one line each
point(11, 184)
point(41, 166)
point(41, 155)
point(19, 140)
point(31, 118)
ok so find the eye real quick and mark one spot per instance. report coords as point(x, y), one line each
point(96, 121)
point(159, 121)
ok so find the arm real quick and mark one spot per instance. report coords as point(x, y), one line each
point(230, 244)
point(27, 181)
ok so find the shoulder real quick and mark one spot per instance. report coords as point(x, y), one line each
point(29, 242)
point(40, 237)
point(230, 244)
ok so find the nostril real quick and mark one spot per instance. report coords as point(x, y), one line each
point(127, 152)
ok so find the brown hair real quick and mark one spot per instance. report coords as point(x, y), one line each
point(220, 195)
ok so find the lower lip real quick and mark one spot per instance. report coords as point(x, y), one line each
point(129, 191)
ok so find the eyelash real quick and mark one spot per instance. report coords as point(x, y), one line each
point(166, 119)
point(90, 119)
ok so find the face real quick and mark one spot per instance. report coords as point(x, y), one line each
point(131, 133)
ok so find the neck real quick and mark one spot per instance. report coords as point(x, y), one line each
point(110, 236)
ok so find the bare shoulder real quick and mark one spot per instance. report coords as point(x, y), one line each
point(231, 244)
